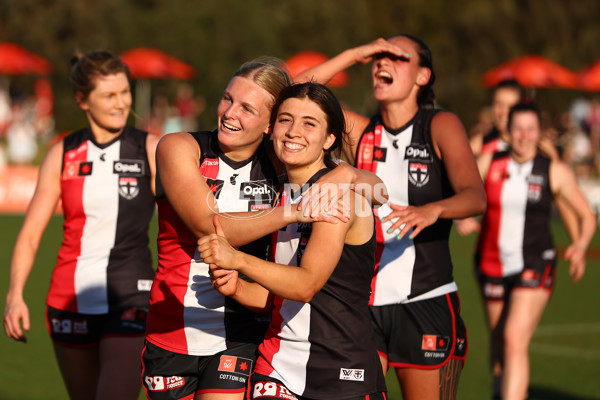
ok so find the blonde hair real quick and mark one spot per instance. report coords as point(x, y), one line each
point(269, 73)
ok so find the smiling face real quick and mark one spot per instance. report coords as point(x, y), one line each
point(108, 104)
point(525, 134)
point(243, 117)
point(397, 78)
point(300, 135)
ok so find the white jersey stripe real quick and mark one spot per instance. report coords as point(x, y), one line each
point(396, 252)
point(101, 209)
point(297, 315)
point(512, 221)
point(200, 304)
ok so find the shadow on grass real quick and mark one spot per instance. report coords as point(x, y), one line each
point(547, 393)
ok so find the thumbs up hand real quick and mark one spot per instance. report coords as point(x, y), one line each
point(215, 249)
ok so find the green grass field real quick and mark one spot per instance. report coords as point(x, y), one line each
point(565, 353)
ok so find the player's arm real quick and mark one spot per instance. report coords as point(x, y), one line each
point(466, 226)
point(178, 159)
point(40, 210)
point(332, 189)
point(249, 294)
point(151, 143)
point(301, 283)
point(324, 72)
point(452, 146)
point(451, 143)
point(564, 185)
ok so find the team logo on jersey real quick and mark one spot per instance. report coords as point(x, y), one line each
point(215, 186)
point(238, 365)
point(434, 343)
point(534, 189)
point(419, 158)
point(258, 192)
point(85, 168)
point(418, 174)
point(162, 383)
point(379, 153)
point(128, 187)
point(351, 374)
point(534, 193)
point(128, 167)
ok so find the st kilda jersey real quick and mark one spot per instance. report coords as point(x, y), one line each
point(187, 315)
point(323, 349)
point(407, 163)
point(515, 230)
point(104, 263)
point(492, 143)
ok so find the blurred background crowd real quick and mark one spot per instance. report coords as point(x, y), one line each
point(181, 54)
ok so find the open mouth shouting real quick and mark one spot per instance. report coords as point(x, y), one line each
point(384, 78)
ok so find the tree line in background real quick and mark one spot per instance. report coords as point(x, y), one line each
point(467, 37)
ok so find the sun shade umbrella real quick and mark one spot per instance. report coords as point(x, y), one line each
point(307, 59)
point(589, 77)
point(16, 60)
point(148, 63)
point(531, 71)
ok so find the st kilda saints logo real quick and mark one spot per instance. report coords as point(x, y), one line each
point(419, 162)
point(534, 189)
point(128, 187)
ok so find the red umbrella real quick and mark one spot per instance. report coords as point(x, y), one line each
point(145, 62)
point(304, 60)
point(531, 71)
point(589, 77)
point(15, 60)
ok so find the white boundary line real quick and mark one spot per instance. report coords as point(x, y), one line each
point(566, 351)
point(567, 329)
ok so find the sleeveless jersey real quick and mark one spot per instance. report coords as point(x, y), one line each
point(187, 315)
point(104, 263)
point(324, 348)
point(407, 163)
point(492, 143)
point(515, 230)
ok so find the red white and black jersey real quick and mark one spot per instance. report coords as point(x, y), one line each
point(187, 315)
point(492, 143)
point(104, 263)
point(324, 349)
point(408, 270)
point(515, 230)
